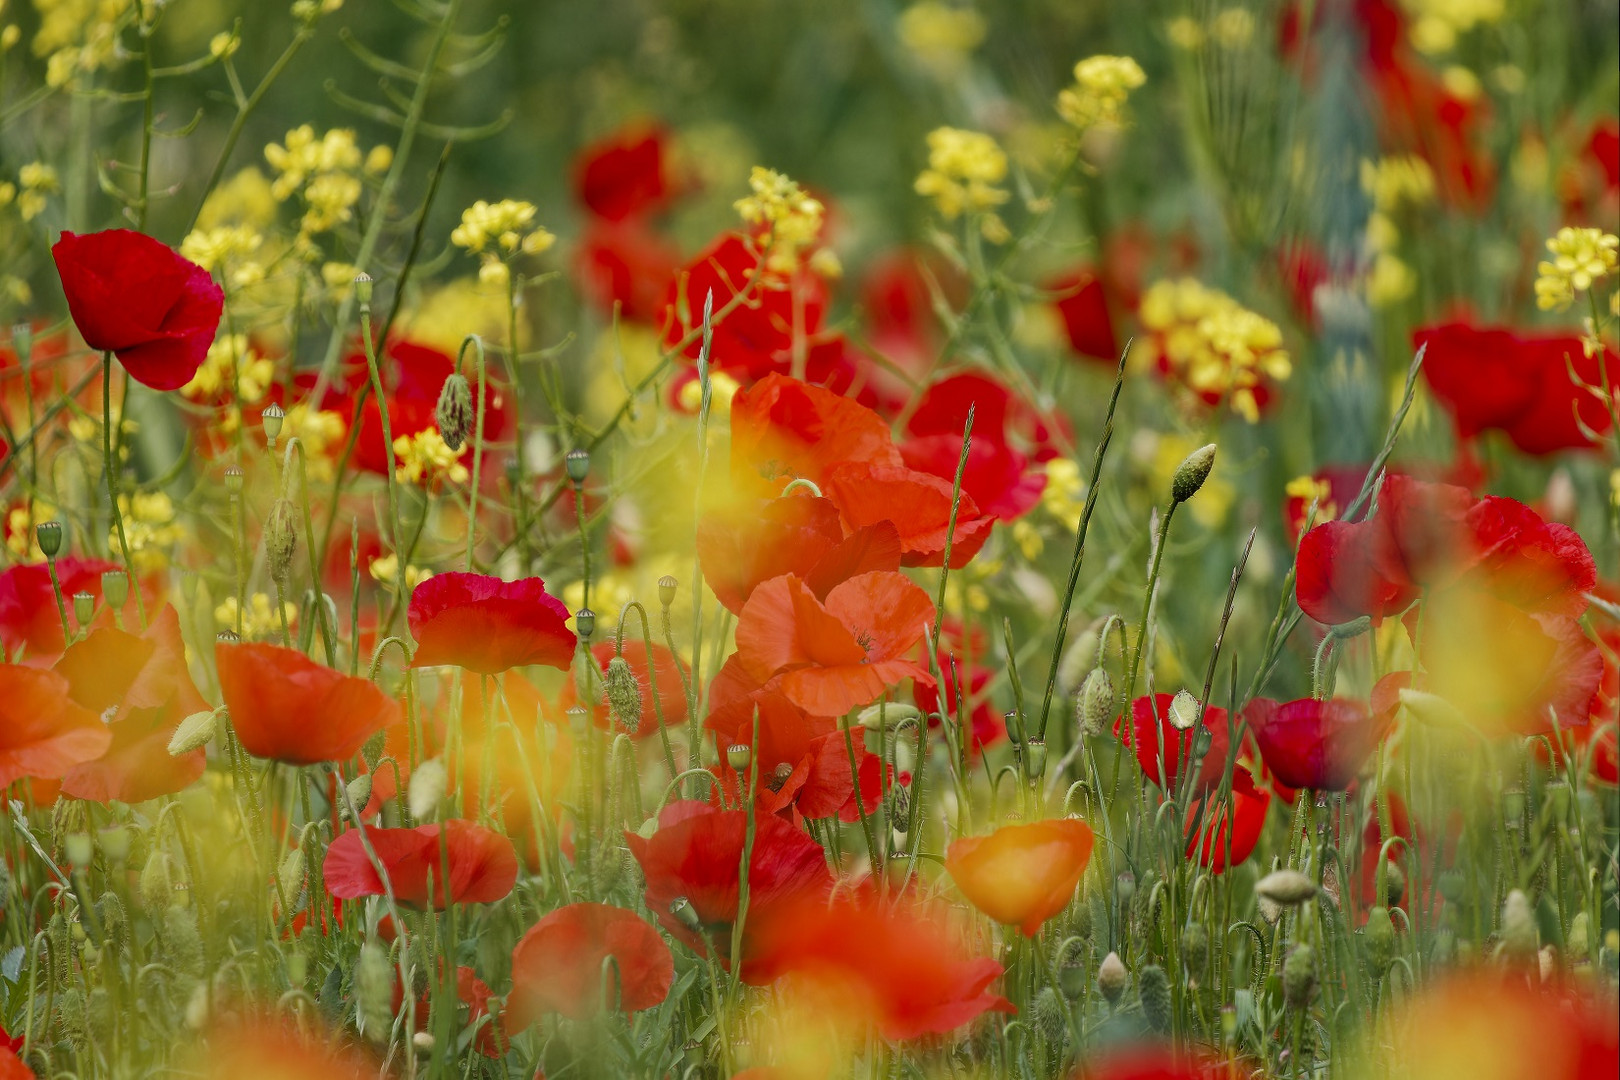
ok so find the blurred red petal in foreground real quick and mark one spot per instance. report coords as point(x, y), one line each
point(482, 864)
point(568, 960)
point(286, 707)
point(1022, 875)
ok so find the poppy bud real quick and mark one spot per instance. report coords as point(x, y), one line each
point(423, 1041)
point(900, 806)
point(1125, 887)
point(1394, 884)
point(578, 463)
point(1518, 926)
point(373, 991)
point(454, 414)
point(84, 607)
point(1035, 753)
point(739, 756)
point(1183, 711)
point(873, 717)
point(428, 785)
point(157, 882)
point(22, 341)
point(1286, 887)
point(606, 871)
point(196, 730)
point(1153, 990)
point(182, 944)
point(271, 417)
point(80, 850)
point(1195, 949)
point(1299, 976)
point(115, 587)
point(1451, 883)
point(585, 622)
point(686, 914)
point(1558, 801)
point(234, 480)
point(291, 872)
point(114, 922)
point(114, 844)
point(1380, 934)
point(1095, 701)
point(280, 540)
point(1111, 978)
point(623, 695)
point(1050, 1018)
point(1072, 978)
point(49, 535)
point(362, 290)
point(1191, 473)
point(666, 590)
point(1580, 935)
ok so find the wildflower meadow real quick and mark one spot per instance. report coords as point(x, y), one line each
point(703, 540)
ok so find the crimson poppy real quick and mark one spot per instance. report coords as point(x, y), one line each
point(1538, 566)
point(488, 625)
point(997, 473)
point(144, 302)
point(143, 685)
point(836, 655)
point(1082, 304)
point(901, 965)
point(471, 992)
point(1022, 875)
point(1320, 745)
point(286, 707)
point(1156, 1063)
point(625, 175)
point(1211, 826)
point(43, 732)
point(267, 1046)
point(1160, 747)
point(625, 265)
point(560, 965)
point(482, 864)
point(670, 671)
point(30, 624)
point(12, 1067)
point(694, 857)
point(783, 429)
point(897, 295)
point(919, 505)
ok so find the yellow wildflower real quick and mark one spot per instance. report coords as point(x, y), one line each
point(302, 156)
point(722, 388)
point(791, 218)
point(38, 181)
point(245, 199)
point(1397, 181)
point(384, 570)
point(1102, 85)
point(259, 617)
point(1216, 346)
point(964, 169)
point(1308, 489)
point(214, 248)
point(21, 538)
point(231, 367)
point(328, 201)
point(426, 456)
point(1064, 496)
point(1580, 257)
point(498, 231)
point(940, 35)
point(150, 528)
point(319, 432)
point(1435, 24)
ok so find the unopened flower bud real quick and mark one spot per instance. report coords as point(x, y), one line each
point(81, 851)
point(272, 418)
point(429, 782)
point(585, 622)
point(1380, 934)
point(666, 590)
point(1286, 887)
point(115, 588)
point(1035, 755)
point(1191, 473)
point(84, 607)
point(685, 914)
point(739, 756)
point(374, 991)
point(1299, 976)
point(49, 535)
point(1195, 949)
point(1050, 1015)
point(578, 463)
point(454, 414)
point(157, 882)
point(1153, 990)
point(280, 540)
point(623, 694)
point(1183, 711)
point(291, 872)
point(234, 480)
point(362, 290)
point(423, 1041)
point(1519, 938)
point(196, 730)
point(1580, 936)
point(891, 713)
point(1111, 978)
point(1095, 702)
point(22, 341)
point(114, 842)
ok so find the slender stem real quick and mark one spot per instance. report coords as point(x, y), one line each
point(111, 464)
point(400, 554)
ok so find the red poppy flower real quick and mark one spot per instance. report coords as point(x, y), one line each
point(1321, 745)
point(43, 733)
point(1022, 875)
point(1343, 484)
point(143, 685)
point(285, 706)
point(695, 855)
point(901, 965)
point(488, 625)
point(471, 992)
point(836, 655)
point(670, 671)
point(1242, 820)
point(130, 295)
point(919, 506)
point(897, 296)
point(1083, 305)
point(30, 625)
point(783, 429)
point(268, 1047)
point(12, 1067)
point(483, 864)
point(625, 263)
point(1156, 1063)
point(1496, 379)
point(624, 175)
point(560, 965)
point(997, 474)
point(1155, 740)
point(1536, 565)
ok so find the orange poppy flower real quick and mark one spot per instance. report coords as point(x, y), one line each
point(267, 1047)
point(840, 654)
point(483, 864)
point(560, 964)
point(1022, 875)
point(43, 733)
point(285, 706)
point(144, 685)
point(488, 625)
point(919, 506)
point(783, 429)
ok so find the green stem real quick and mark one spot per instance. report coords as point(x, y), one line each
point(111, 464)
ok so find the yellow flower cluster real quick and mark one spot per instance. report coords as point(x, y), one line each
point(940, 35)
point(319, 431)
point(1102, 85)
point(964, 169)
point(213, 248)
point(498, 231)
point(1392, 183)
point(1435, 24)
point(1064, 496)
point(791, 218)
point(1579, 257)
point(78, 36)
point(384, 570)
point(1308, 489)
point(232, 367)
point(259, 617)
point(425, 456)
point(325, 169)
point(21, 539)
point(1229, 28)
point(150, 527)
point(1215, 345)
point(37, 182)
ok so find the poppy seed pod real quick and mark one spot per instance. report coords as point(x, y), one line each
point(1191, 473)
point(1095, 701)
point(1111, 978)
point(739, 756)
point(1299, 976)
point(373, 991)
point(1153, 990)
point(1183, 711)
point(362, 290)
point(585, 622)
point(234, 480)
point(280, 540)
point(666, 590)
point(272, 418)
point(623, 694)
point(454, 413)
point(578, 463)
point(685, 914)
point(1286, 887)
point(49, 535)
point(1035, 753)
point(115, 588)
point(84, 607)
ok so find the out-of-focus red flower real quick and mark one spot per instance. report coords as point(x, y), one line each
point(783, 430)
point(961, 654)
point(1154, 740)
point(625, 263)
point(743, 544)
point(1156, 1063)
point(1022, 875)
point(482, 864)
point(487, 625)
point(269, 1047)
point(1083, 305)
point(560, 965)
point(1210, 827)
point(1320, 745)
point(667, 668)
point(997, 473)
point(624, 175)
point(900, 965)
point(1496, 379)
point(836, 655)
point(12, 1067)
point(1427, 844)
point(471, 992)
point(1334, 489)
point(898, 302)
point(43, 732)
point(144, 685)
point(30, 625)
point(918, 504)
point(131, 295)
point(285, 706)
point(1589, 182)
point(695, 855)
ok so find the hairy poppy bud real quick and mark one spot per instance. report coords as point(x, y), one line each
point(892, 713)
point(423, 1041)
point(739, 756)
point(1095, 701)
point(280, 541)
point(454, 414)
point(84, 607)
point(1153, 990)
point(1050, 1016)
point(157, 882)
point(1518, 926)
point(1580, 936)
point(81, 851)
point(686, 914)
point(182, 944)
point(1111, 978)
point(291, 872)
point(1191, 473)
point(1072, 978)
point(1394, 884)
point(114, 843)
point(578, 463)
point(1286, 887)
point(1380, 935)
point(1183, 711)
point(585, 622)
point(115, 588)
point(666, 590)
point(49, 535)
point(900, 807)
point(1195, 949)
point(272, 418)
point(1299, 976)
point(428, 785)
point(623, 694)
point(373, 991)
point(196, 730)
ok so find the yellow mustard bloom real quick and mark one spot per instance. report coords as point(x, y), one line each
point(245, 199)
point(425, 456)
point(964, 169)
point(301, 156)
point(1579, 257)
point(1435, 24)
point(792, 220)
point(940, 35)
point(501, 224)
point(1064, 496)
point(1217, 347)
point(21, 539)
point(1397, 181)
point(226, 246)
point(1308, 489)
point(385, 571)
point(233, 368)
point(1102, 85)
point(320, 432)
point(329, 200)
point(150, 527)
point(259, 616)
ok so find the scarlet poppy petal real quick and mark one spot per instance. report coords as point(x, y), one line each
point(42, 732)
point(566, 961)
point(285, 706)
point(487, 625)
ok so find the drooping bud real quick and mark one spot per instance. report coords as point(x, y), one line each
point(84, 607)
point(1095, 702)
point(49, 535)
point(272, 418)
point(1580, 936)
point(157, 882)
point(1519, 939)
point(623, 694)
point(1288, 888)
point(196, 730)
point(1153, 990)
point(585, 622)
point(115, 588)
point(892, 713)
point(358, 794)
point(1111, 978)
point(685, 914)
point(280, 540)
point(114, 842)
point(1380, 934)
point(739, 756)
point(373, 991)
point(666, 590)
point(182, 944)
point(428, 785)
point(454, 414)
point(1183, 711)
point(81, 850)
point(1299, 976)
point(1195, 950)
point(1050, 1016)
point(578, 463)
point(1191, 473)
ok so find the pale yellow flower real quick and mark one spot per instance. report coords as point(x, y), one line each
point(1580, 257)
